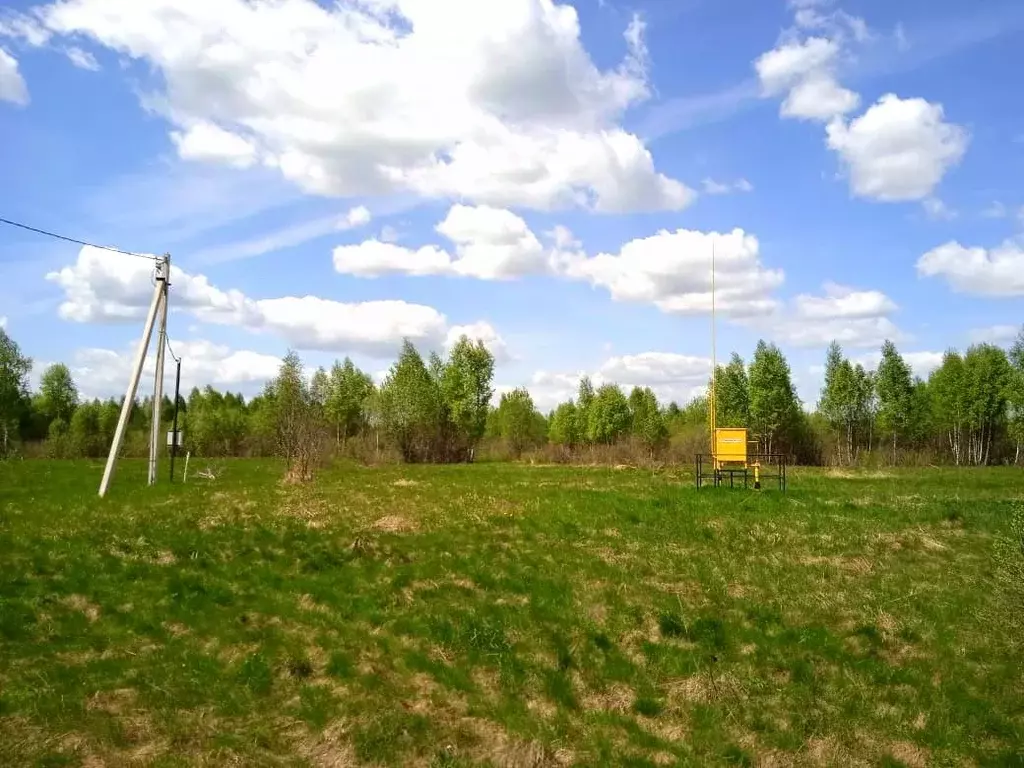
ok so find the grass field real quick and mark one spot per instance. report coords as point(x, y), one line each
point(505, 615)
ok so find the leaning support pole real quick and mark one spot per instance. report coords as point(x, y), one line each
point(133, 386)
point(162, 276)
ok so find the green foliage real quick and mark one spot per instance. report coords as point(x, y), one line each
point(411, 408)
point(646, 421)
point(565, 429)
point(348, 392)
point(949, 397)
point(895, 390)
point(774, 407)
point(732, 393)
point(1015, 395)
point(14, 369)
point(608, 417)
point(466, 388)
point(518, 422)
point(58, 395)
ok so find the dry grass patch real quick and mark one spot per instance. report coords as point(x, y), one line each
point(394, 524)
point(909, 753)
point(494, 744)
point(405, 483)
point(857, 566)
point(82, 604)
point(616, 698)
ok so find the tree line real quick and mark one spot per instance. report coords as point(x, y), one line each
point(970, 410)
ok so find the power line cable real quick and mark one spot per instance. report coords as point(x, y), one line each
point(73, 240)
point(171, 350)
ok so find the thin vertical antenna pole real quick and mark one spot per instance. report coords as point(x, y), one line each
point(133, 386)
point(158, 378)
point(714, 352)
point(174, 442)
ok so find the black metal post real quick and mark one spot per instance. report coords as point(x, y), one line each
point(174, 441)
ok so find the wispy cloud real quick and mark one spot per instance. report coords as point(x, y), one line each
point(995, 211)
point(712, 187)
point(680, 113)
point(287, 237)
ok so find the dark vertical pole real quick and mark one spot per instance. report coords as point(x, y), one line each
point(174, 442)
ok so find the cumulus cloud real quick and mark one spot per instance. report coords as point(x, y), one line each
point(12, 84)
point(899, 149)
point(490, 244)
point(998, 272)
point(804, 70)
point(671, 376)
point(106, 287)
point(672, 270)
point(103, 373)
point(208, 142)
point(483, 332)
point(497, 103)
point(995, 334)
point(854, 318)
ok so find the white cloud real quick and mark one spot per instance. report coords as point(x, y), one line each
point(786, 66)
point(82, 59)
point(373, 258)
point(357, 217)
point(996, 272)
point(671, 376)
point(483, 332)
point(712, 187)
point(899, 149)
point(388, 234)
point(496, 103)
point(854, 318)
point(104, 373)
point(672, 270)
point(3, 321)
point(12, 84)
point(843, 302)
point(937, 210)
point(995, 334)
point(372, 327)
point(490, 244)
point(819, 97)
point(208, 142)
point(107, 287)
point(805, 72)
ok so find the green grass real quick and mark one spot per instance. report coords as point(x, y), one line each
point(505, 615)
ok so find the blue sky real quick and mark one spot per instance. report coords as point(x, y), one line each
point(278, 155)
